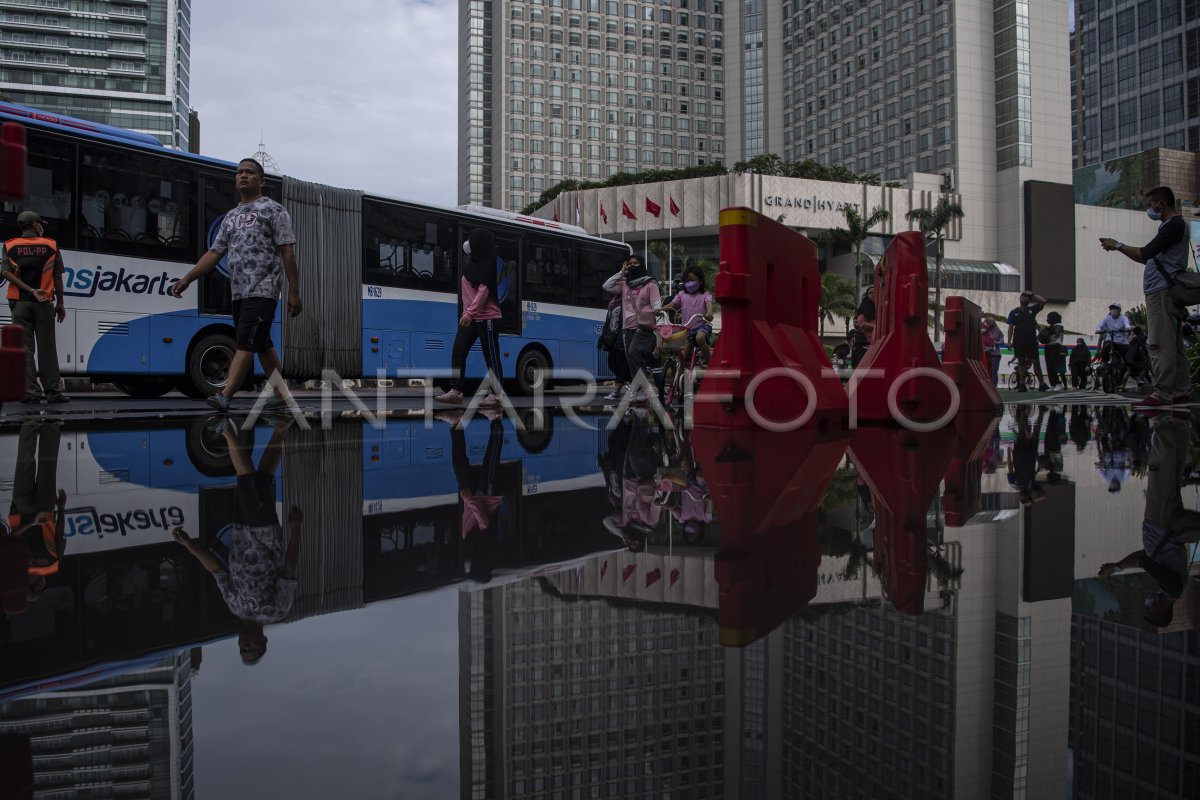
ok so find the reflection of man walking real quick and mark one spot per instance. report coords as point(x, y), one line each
point(37, 510)
point(33, 267)
point(258, 578)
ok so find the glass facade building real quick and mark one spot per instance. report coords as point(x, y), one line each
point(118, 62)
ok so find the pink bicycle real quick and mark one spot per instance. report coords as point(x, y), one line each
point(672, 341)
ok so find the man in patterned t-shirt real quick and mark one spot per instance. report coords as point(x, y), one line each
point(257, 235)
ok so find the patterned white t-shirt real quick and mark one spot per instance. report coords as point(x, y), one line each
point(250, 236)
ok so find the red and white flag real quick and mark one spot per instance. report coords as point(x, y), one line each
point(674, 208)
point(653, 207)
point(603, 214)
point(556, 212)
point(627, 211)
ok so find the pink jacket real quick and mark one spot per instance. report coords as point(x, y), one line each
point(477, 303)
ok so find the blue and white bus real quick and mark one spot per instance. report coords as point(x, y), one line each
point(379, 276)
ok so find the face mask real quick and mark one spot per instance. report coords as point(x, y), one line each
point(467, 248)
point(692, 286)
point(1153, 214)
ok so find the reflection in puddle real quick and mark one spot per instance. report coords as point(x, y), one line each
point(981, 611)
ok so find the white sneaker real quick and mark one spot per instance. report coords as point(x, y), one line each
point(613, 395)
point(452, 397)
point(491, 401)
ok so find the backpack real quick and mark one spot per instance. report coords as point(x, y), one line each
point(1046, 334)
point(502, 282)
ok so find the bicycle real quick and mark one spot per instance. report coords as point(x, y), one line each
point(1111, 366)
point(672, 341)
point(1014, 380)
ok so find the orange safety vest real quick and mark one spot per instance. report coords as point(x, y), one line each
point(34, 259)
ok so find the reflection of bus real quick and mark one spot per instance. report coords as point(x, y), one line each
point(132, 217)
point(382, 517)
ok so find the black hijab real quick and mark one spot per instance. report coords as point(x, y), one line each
point(481, 266)
point(636, 276)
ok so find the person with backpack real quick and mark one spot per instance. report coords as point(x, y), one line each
point(611, 342)
point(480, 318)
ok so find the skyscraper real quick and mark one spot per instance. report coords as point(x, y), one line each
point(584, 89)
point(125, 736)
point(1136, 81)
point(119, 62)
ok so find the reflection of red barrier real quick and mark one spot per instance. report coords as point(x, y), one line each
point(769, 289)
point(12, 161)
point(963, 360)
point(765, 487)
point(12, 363)
point(903, 470)
point(961, 499)
point(901, 339)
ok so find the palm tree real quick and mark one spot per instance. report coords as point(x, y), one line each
point(837, 299)
point(933, 223)
point(672, 256)
point(853, 235)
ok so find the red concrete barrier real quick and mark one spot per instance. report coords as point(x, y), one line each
point(900, 343)
point(903, 469)
point(12, 161)
point(12, 363)
point(768, 364)
point(766, 488)
point(961, 498)
point(963, 360)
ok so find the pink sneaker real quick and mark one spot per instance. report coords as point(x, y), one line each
point(491, 401)
point(453, 397)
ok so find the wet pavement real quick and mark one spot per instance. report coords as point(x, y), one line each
point(582, 609)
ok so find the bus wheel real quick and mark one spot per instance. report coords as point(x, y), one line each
point(145, 388)
point(533, 368)
point(208, 363)
point(539, 429)
point(207, 450)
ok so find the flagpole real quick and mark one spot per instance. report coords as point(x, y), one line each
point(670, 257)
point(646, 246)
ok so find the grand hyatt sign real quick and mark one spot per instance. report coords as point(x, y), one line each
point(813, 203)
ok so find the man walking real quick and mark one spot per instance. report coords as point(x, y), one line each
point(1165, 256)
point(258, 237)
point(33, 267)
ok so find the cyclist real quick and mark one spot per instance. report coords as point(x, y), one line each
point(1117, 327)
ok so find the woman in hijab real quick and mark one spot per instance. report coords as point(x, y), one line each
point(480, 318)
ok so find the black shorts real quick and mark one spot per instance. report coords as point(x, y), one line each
point(1026, 351)
point(256, 500)
point(253, 317)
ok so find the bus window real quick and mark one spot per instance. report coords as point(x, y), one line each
point(409, 249)
point(508, 248)
point(219, 198)
point(49, 177)
point(596, 265)
point(547, 277)
point(137, 205)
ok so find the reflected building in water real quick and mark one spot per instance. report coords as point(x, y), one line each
point(587, 699)
point(124, 736)
point(1135, 711)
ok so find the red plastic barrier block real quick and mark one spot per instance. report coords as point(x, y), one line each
point(12, 363)
point(900, 343)
point(903, 470)
point(768, 358)
point(12, 161)
point(766, 488)
point(963, 360)
point(961, 498)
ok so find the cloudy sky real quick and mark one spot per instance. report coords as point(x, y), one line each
point(356, 93)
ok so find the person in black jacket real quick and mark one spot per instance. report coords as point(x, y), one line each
point(1081, 360)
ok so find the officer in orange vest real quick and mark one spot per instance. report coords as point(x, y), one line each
point(33, 267)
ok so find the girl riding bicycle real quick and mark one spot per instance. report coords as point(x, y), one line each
point(695, 305)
